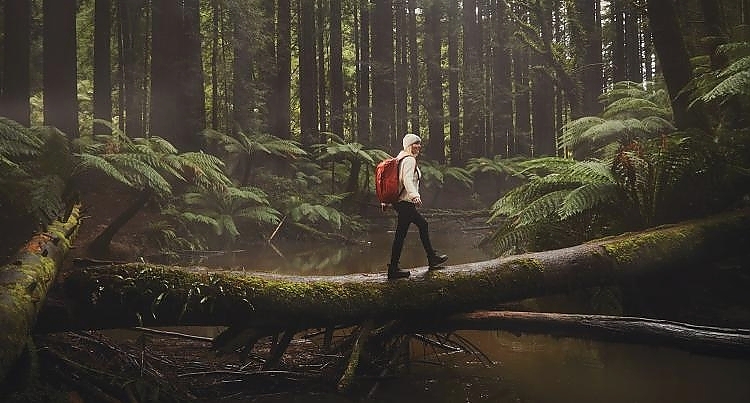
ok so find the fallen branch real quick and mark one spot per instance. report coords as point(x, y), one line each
point(693, 338)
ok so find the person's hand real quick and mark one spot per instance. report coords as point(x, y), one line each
point(417, 201)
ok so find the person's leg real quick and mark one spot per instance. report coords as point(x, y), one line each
point(402, 227)
point(424, 232)
point(433, 259)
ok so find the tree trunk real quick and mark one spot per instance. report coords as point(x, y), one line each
point(543, 89)
point(472, 138)
point(363, 75)
point(283, 70)
point(242, 71)
point(434, 100)
point(100, 244)
point(15, 89)
point(414, 94)
point(102, 65)
point(401, 77)
point(453, 81)
point(502, 97)
point(619, 63)
point(143, 294)
point(24, 284)
point(59, 64)
point(383, 95)
point(336, 70)
point(132, 43)
point(308, 89)
point(675, 63)
point(633, 58)
point(320, 72)
point(192, 94)
point(165, 96)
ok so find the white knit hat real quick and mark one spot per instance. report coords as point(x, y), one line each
point(410, 139)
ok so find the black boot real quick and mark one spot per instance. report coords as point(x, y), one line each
point(435, 260)
point(394, 272)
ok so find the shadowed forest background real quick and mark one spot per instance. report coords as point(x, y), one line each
point(201, 127)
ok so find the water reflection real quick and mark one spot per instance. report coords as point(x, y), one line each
point(546, 369)
point(370, 255)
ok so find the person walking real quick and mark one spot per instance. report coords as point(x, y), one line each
point(406, 208)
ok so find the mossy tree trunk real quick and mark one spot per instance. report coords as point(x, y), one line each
point(143, 294)
point(24, 283)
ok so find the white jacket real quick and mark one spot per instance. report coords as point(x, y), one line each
point(408, 177)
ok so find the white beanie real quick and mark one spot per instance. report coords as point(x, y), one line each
point(410, 139)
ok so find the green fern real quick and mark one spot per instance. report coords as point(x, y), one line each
point(631, 112)
point(35, 168)
point(735, 81)
point(228, 210)
point(241, 150)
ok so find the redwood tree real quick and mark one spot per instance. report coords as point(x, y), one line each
point(59, 65)
point(102, 64)
point(14, 98)
point(434, 100)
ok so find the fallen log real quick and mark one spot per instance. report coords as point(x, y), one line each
point(24, 283)
point(710, 340)
point(153, 295)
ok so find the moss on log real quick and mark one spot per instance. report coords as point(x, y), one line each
point(24, 283)
point(145, 294)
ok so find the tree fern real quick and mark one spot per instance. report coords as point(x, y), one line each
point(35, 167)
point(17, 140)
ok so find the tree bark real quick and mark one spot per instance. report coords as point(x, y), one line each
point(381, 70)
point(24, 284)
point(59, 65)
point(432, 46)
point(675, 62)
point(308, 89)
point(336, 70)
point(143, 294)
point(102, 65)
point(15, 78)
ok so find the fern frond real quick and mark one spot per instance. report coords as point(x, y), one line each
point(259, 214)
point(638, 108)
point(541, 208)
point(91, 161)
point(140, 173)
point(16, 140)
point(573, 131)
point(734, 85)
point(589, 196)
point(511, 239)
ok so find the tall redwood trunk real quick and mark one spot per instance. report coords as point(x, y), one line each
point(363, 74)
point(675, 62)
point(336, 70)
point(383, 92)
point(59, 65)
point(502, 101)
point(434, 100)
point(15, 89)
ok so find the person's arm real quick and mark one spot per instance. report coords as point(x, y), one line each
point(408, 171)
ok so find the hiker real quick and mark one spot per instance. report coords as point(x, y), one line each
point(406, 207)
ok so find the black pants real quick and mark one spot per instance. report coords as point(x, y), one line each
point(407, 214)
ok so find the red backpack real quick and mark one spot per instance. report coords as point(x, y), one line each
point(387, 185)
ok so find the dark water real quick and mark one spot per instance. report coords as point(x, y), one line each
point(522, 368)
